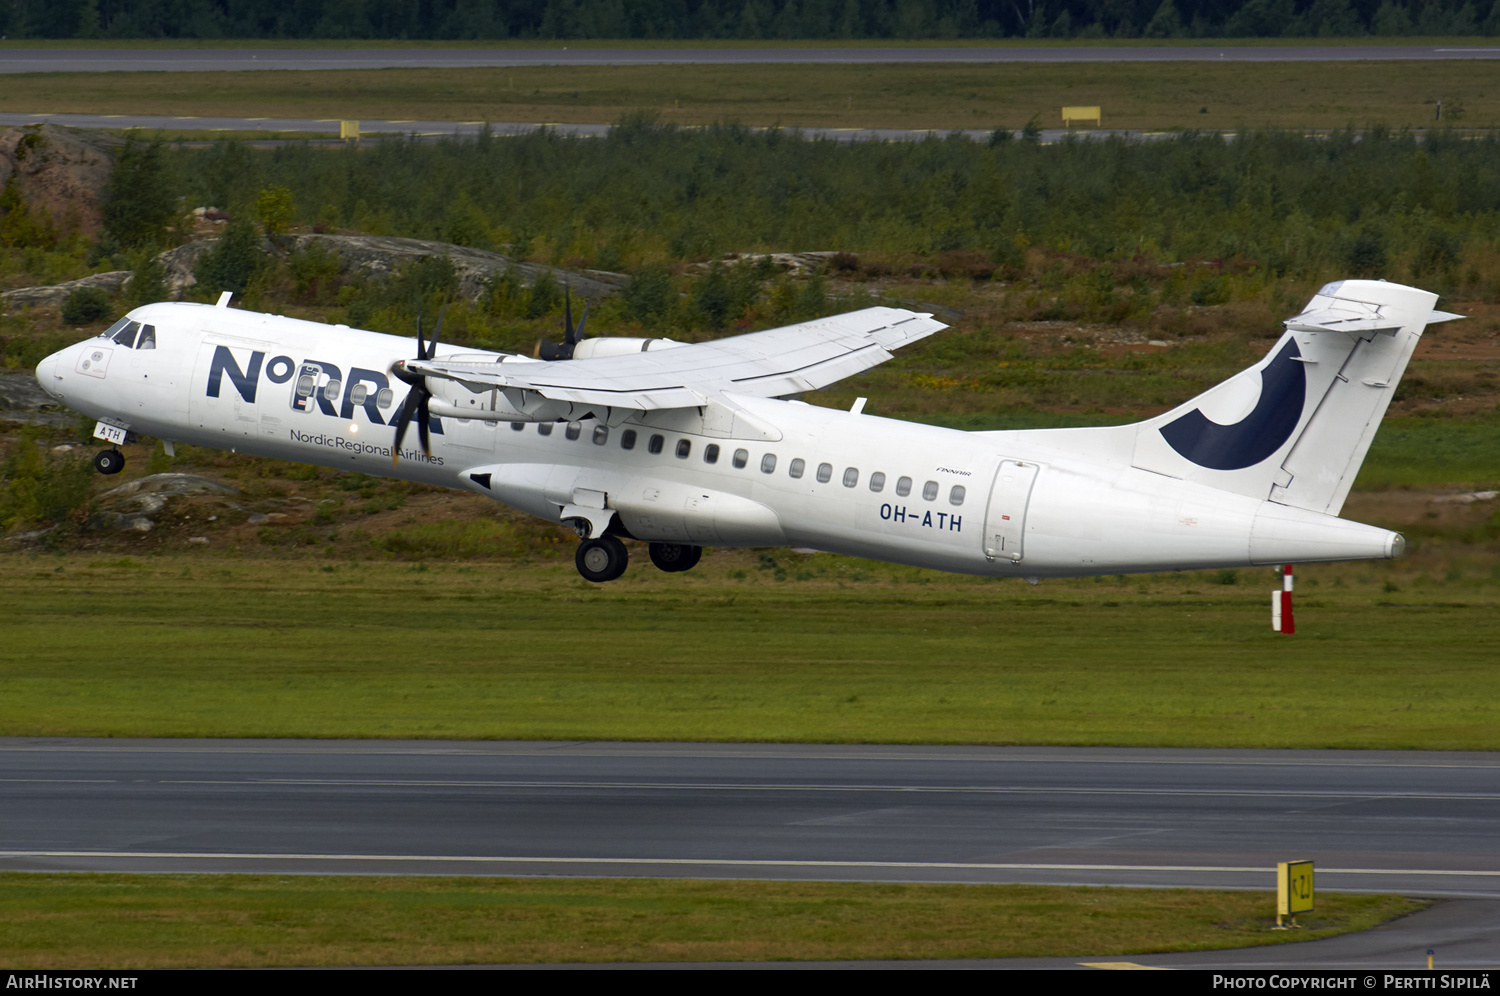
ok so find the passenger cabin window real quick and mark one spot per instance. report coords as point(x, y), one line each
point(574, 430)
point(741, 457)
point(601, 435)
point(825, 473)
point(903, 486)
point(851, 476)
point(518, 426)
point(358, 393)
point(798, 466)
point(627, 439)
point(332, 388)
point(930, 490)
point(544, 428)
point(655, 444)
point(684, 448)
point(768, 463)
point(711, 453)
point(877, 481)
point(307, 384)
point(956, 495)
point(384, 398)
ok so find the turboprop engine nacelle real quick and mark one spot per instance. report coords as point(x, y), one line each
point(587, 349)
point(457, 399)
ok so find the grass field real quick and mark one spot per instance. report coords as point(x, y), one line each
point(765, 647)
point(1147, 96)
point(161, 921)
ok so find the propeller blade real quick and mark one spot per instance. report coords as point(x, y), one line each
point(424, 416)
point(581, 322)
point(408, 408)
point(432, 346)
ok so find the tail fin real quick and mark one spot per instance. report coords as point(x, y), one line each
point(1295, 427)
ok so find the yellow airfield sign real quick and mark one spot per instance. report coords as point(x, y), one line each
point(1294, 888)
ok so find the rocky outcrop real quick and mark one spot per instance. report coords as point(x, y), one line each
point(55, 295)
point(60, 171)
point(373, 257)
point(378, 256)
point(23, 400)
point(130, 505)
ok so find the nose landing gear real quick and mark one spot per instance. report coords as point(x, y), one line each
point(110, 461)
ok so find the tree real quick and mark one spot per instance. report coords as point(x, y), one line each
point(274, 208)
point(230, 265)
point(1166, 24)
point(19, 226)
point(148, 280)
point(138, 204)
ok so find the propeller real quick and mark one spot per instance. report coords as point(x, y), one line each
point(416, 404)
point(571, 336)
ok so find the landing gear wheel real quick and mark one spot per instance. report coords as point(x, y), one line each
point(674, 557)
point(602, 559)
point(109, 461)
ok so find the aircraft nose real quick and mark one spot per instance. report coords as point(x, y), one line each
point(47, 373)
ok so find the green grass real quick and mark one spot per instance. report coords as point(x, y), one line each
point(160, 921)
point(1200, 95)
point(839, 650)
point(1423, 451)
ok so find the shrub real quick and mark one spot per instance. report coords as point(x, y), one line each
point(85, 305)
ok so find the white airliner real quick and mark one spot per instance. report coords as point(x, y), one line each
point(685, 446)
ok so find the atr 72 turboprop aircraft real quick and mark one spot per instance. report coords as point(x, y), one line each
point(690, 445)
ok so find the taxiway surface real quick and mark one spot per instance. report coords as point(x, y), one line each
point(1419, 823)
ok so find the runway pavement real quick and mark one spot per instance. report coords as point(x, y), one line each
point(1386, 821)
point(83, 60)
point(1379, 821)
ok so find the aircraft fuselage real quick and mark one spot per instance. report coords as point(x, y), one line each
point(778, 473)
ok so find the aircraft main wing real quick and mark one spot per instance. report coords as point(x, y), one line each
point(769, 364)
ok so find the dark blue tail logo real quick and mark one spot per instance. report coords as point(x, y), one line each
point(1283, 391)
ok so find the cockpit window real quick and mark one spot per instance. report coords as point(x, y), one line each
point(126, 335)
point(109, 333)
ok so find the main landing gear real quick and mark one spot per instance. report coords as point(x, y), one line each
point(605, 558)
point(602, 559)
point(674, 557)
point(110, 461)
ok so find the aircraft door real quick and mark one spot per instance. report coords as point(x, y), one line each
point(1005, 517)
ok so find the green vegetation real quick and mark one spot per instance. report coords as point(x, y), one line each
point(161, 921)
point(774, 20)
point(1414, 452)
point(771, 646)
point(1108, 217)
point(1135, 95)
